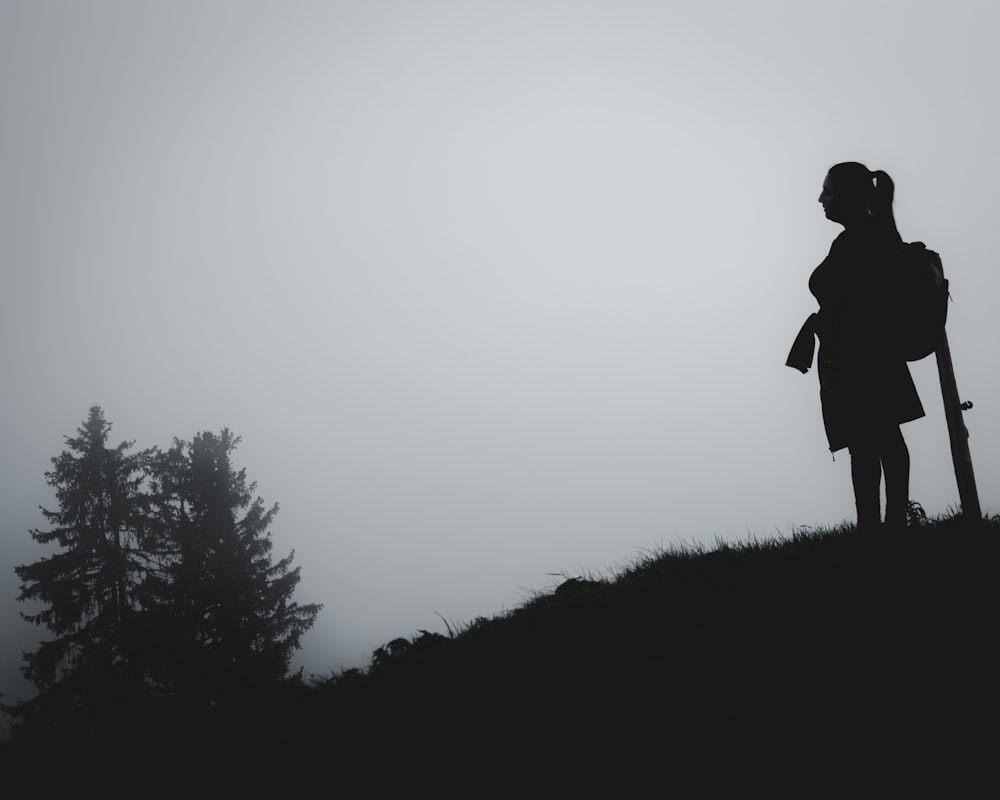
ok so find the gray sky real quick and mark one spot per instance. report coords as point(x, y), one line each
point(491, 290)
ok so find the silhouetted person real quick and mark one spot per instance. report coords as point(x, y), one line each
point(866, 391)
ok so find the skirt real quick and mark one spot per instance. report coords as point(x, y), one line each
point(860, 400)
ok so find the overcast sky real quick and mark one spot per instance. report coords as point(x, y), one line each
point(492, 291)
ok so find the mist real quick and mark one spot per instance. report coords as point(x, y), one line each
point(493, 293)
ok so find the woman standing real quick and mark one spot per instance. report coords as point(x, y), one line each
point(866, 390)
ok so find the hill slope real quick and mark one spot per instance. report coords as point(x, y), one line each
point(828, 648)
point(832, 655)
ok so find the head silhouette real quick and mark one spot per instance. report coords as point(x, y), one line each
point(852, 193)
point(847, 192)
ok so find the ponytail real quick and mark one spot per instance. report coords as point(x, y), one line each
point(881, 201)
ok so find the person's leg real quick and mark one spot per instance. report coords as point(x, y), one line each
point(866, 475)
point(896, 464)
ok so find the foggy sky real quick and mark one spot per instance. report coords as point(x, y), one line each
point(492, 292)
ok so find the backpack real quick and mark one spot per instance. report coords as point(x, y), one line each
point(921, 293)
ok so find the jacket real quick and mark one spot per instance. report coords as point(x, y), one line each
point(865, 384)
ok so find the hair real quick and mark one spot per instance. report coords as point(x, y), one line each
point(873, 191)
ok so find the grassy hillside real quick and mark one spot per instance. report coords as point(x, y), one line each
point(830, 657)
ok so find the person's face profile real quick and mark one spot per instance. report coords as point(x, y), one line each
point(828, 199)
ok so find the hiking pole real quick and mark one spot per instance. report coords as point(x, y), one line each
point(958, 434)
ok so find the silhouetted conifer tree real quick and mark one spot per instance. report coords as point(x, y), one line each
point(223, 611)
point(88, 589)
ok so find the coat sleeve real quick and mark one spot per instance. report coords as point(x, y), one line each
point(800, 357)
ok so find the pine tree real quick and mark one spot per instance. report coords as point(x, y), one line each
point(224, 610)
point(88, 589)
